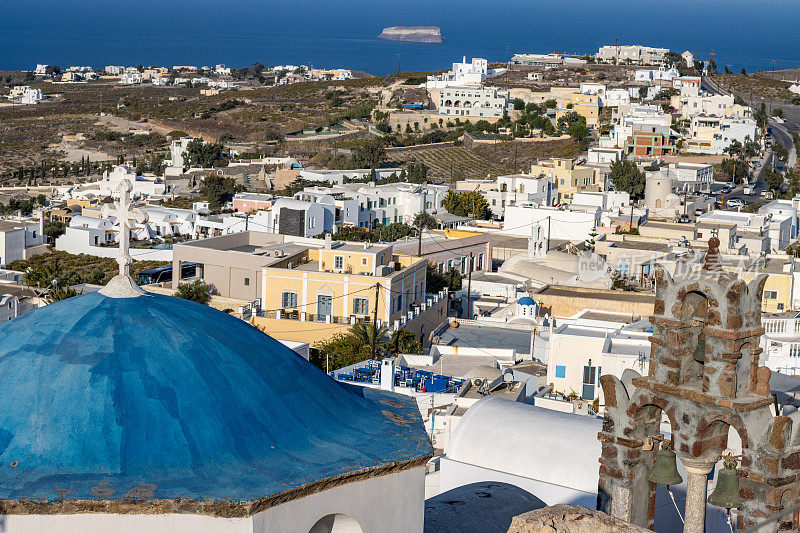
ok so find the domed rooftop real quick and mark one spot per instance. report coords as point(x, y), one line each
point(526, 300)
point(105, 400)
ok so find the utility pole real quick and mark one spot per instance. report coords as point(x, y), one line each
point(373, 342)
point(547, 246)
point(246, 221)
point(773, 65)
point(398, 63)
point(630, 225)
point(469, 284)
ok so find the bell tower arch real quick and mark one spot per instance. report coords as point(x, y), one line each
point(704, 375)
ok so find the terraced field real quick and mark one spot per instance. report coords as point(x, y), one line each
point(450, 163)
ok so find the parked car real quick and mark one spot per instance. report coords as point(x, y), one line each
point(735, 202)
point(726, 189)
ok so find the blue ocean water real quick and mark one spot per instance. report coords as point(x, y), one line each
point(342, 33)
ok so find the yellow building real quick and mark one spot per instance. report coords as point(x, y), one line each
point(779, 286)
point(309, 294)
point(567, 176)
point(586, 105)
point(310, 290)
point(777, 295)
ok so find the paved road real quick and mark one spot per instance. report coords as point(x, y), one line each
point(791, 112)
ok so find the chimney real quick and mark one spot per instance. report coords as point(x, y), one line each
point(328, 241)
point(387, 374)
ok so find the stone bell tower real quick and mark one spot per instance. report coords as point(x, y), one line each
point(704, 375)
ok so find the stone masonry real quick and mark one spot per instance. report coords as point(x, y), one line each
point(703, 392)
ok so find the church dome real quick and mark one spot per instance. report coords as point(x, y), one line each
point(526, 300)
point(105, 400)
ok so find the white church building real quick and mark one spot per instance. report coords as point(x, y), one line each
point(128, 411)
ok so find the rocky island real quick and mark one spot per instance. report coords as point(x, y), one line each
point(413, 34)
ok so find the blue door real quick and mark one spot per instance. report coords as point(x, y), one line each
point(589, 381)
point(324, 306)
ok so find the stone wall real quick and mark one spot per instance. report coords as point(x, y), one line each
point(570, 519)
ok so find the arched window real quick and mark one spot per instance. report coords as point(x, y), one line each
point(336, 523)
point(658, 203)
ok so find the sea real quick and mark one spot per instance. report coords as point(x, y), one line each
point(745, 34)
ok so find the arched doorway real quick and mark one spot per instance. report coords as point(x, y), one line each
point(336, 523)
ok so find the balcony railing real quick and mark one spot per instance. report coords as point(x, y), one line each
point(781, 326)
point(296, 314)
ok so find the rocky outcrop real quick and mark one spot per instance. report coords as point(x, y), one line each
point(570, 519)
point(413, 34)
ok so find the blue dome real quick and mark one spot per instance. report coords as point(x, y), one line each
point(158, 398)
point(526, 300)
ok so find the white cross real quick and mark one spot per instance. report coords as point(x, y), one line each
point(125, 215)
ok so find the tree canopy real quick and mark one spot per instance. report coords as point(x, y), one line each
point(467, 203)
point(196, 291)
point(204, 155)
point(626, 176)
point(218, 190)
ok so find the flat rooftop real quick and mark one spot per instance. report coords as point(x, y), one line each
point(11, 225)
point(641, 245)
point(622, 296)
point(474, 336)
point(457, 366)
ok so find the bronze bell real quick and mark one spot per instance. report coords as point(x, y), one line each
point(726, 493)
point(665, 467)
point(700, 349)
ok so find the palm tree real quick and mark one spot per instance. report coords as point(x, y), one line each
point(60, 293)
point(366, 333)
point(39, 276)
point(423, 220)
point(404, 341)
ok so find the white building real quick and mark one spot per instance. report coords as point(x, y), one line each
point(379, 204)
point(337, 177)
point(640, 55)
point(473, 73)
point(549, 454)
point(784, 208)
point(96, 236)
point(23, 94)
point(518, 189)
point(9, 307)
point(21, 239)
point(545, 60)
point(659, 74)
point(142, 185)
point(299, 218)
point(712, 134)
point(688, 57)
point(579, 351)
point(572, 222)
point(776, 226)
point(177, 148)
point(169, 221)
point(606, 200)
point(131, 78)
point(473, 102)
point(607, 97)
point(83, 232)
point(604, 156)
point(113, 70)
point(691, 103)
point(697, 176)
point(222, 70)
